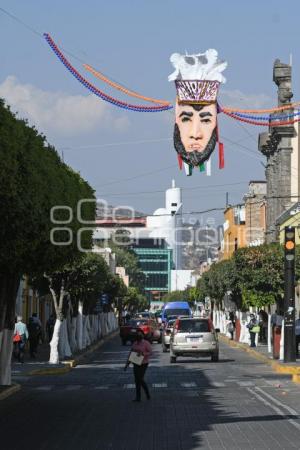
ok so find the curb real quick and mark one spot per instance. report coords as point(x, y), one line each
point(10, 391)
point(277, 366)
point(70, 364)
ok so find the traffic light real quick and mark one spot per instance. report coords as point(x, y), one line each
point(289, 243)
point(289, 295)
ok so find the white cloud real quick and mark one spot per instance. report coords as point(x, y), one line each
point(59, 113)
point(239, 99)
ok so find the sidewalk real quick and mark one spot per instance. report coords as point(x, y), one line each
point(261, 352)
point(41, 366)
point(31, 366)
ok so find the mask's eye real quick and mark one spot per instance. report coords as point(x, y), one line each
point(206, 121)
point(185, 119)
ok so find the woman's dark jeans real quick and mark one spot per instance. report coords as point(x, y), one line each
point(139, 373)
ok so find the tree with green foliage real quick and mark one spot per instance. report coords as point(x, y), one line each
point(134, 301)
point(218, 280)
point(33, 180)
point(260, 273)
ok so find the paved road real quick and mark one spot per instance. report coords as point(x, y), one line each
point(238, 403)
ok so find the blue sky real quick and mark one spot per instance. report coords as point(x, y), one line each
point(128, 157)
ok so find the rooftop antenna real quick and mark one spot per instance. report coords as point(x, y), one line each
point(291, 59)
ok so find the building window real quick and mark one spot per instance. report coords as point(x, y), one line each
point(173, 204)
point(236, 245)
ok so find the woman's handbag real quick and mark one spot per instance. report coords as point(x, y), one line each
point(255, 329)
point(17, 338)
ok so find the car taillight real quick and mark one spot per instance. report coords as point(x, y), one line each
point(145, 329)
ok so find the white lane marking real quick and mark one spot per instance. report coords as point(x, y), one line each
point(187, 385)
point(44, 388)
point(280, 412)
point(159, 385)
point(101, 387)
point(73, 387)
point(129, 386)
point(217, 384)
point(245, 383)
point(278, 402)
point(275, 383)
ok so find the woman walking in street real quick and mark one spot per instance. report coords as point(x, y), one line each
point(142, 348)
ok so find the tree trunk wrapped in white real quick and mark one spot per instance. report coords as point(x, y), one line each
point(64, 347)
point(58, 305)
point(54, 356)
point(6, 343)
point(88, 329)
point(98, 326)
point(269, 334)
point(245, 335)
point(83, 331)
point(102, 325)
point(79, 331)
point(214, 319)
point(73, 342)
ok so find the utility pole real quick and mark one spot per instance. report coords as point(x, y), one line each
point(289, 295)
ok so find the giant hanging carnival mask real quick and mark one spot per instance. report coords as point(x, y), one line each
point(197, 80)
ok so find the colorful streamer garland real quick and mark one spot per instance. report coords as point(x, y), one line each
point(261, 111)
point(95, 90)
point(263, 121)
point(102, 77)
point(249, 116)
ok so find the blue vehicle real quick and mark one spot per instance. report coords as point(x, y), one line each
point(175, 309)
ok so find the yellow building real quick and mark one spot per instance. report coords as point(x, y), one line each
point(234, 230)
point(291, 217)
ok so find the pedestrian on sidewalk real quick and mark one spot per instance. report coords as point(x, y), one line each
point(297, 335)
point(20, 338)
point(252, 326)
point(34, 330)
point(141, 347)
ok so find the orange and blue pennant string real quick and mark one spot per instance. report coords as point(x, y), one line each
point(139, 108)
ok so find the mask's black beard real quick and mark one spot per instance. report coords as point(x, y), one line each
point(194, 158)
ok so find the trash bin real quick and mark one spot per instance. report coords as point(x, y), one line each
point(276, 342)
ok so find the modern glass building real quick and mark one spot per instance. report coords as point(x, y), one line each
point(156, 263)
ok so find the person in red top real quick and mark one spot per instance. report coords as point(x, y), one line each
point(141, 347)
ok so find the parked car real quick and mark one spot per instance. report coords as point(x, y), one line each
point(166, 334)
point(148, 327)
point(194, 337)
point(175, 309)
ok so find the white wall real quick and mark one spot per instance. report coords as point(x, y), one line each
point(181, 279)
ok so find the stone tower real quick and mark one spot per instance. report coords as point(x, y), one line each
point(276, 145)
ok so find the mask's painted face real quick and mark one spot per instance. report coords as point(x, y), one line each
point(195, 134)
